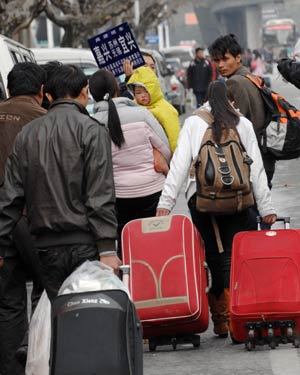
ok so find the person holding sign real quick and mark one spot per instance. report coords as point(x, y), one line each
point(134, 133)
point(147, 92)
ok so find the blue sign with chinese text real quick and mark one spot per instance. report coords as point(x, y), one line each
point(112, 47)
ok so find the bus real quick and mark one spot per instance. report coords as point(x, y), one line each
point(280, 36)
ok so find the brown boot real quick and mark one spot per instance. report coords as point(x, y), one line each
point(219, 314)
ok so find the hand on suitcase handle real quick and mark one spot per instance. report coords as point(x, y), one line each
point(286, 220)
point(269, 219)
point(112, 261)
point(162, 212)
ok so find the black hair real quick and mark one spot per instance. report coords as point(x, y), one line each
point(225, 116)
point(256, 53)
point(103, 86)
point(223, 44)
point(199, 49)
point(66, 80)
point(49, 68)
point(25, 78)
point(148, 54)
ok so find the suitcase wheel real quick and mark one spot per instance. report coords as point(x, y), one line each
point(251, 333)
point(270, 332)
point(272, 344)
point(249, 345)
point(174, 343)
point(196, 341)
point(289, 332)
point(152, 345)
point(296, 342)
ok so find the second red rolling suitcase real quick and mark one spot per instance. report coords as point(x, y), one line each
point(265, 287)
point(168, 280)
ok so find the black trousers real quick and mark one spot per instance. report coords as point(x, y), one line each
point(58, 262)
point(13, 297)
point(134, 208)
point(200, 97)
point(229, 225)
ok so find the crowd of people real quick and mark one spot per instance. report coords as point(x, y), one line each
point(71, 181)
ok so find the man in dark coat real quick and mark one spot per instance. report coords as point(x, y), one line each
point(61, 170)
point(290, 70)
point(199, 75)
point(25, 85)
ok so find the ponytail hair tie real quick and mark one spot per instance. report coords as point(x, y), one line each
point(106, 97)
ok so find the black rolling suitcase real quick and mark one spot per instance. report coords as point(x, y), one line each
point(96, 333)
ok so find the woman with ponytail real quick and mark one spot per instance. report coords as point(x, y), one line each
point(134, 133)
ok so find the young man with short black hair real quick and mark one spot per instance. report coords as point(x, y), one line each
point(61, 170)
point(226, 53)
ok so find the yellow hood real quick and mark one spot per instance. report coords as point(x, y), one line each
point(146, 77)
point(164, 112)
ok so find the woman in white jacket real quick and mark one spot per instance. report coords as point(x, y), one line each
point(187, 150)
point(134, 133)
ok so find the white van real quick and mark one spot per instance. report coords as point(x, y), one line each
point(81, 57)
point(184, 53)
point(11, 52)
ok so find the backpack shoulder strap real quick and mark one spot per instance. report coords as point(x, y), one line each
point(209, 119)
point(256, 80)
point(205, 115)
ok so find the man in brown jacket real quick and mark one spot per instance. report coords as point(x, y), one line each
point(227, 55)
point(25, 85)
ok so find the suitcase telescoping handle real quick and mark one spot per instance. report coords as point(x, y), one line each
point(125, 269)
point(285, 219)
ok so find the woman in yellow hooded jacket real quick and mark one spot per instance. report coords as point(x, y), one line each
point(147, 92)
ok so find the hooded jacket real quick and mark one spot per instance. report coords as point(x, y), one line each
point(164, 112)
point(133, 163)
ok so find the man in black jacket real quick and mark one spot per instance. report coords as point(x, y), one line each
point(25, 84)
point(61, 171)
point(199, 75)
point(290, 70)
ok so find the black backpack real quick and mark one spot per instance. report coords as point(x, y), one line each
point(281, 133)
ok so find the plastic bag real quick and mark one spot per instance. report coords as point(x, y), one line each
point(90, 276)
point(39, 339)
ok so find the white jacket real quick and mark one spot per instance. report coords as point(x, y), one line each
point(187, 150)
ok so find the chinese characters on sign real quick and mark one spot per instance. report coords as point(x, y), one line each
point(112, 47)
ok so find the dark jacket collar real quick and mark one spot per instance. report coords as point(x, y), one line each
point(24, 98)
point(67, 102)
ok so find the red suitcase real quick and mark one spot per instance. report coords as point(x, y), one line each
point(168, 280)
point(265, 287)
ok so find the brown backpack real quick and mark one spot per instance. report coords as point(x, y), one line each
point(222, 173)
